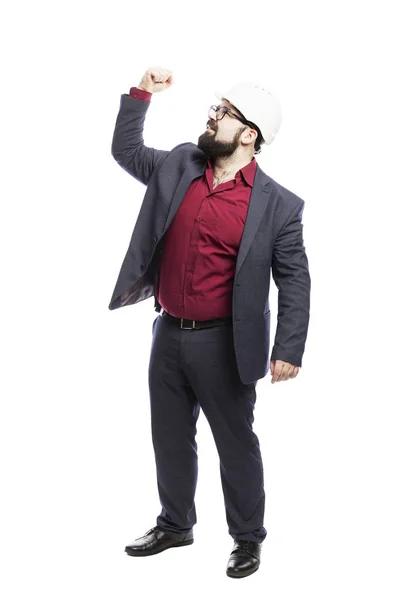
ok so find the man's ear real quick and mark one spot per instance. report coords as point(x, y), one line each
point(250, 137)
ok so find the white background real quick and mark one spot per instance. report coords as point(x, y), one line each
point(77, 465)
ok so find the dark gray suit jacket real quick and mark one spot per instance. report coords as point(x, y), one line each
point(272, 240)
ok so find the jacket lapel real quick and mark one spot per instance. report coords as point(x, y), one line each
point(194, 169)
point(258, 203)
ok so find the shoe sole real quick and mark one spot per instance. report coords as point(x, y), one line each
point(150, 552)
point(238, 575)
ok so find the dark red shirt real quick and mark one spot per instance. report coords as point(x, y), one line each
point(201, 245)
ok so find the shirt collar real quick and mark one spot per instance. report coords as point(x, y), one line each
point(248, 172)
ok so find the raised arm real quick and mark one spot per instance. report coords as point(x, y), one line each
point(128, 147)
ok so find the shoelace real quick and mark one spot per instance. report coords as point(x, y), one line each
point(245, 545)
point(147, 533)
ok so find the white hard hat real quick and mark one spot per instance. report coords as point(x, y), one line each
point(258, 104)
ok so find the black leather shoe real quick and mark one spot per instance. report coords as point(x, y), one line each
point(244, 559)
point(156, 540)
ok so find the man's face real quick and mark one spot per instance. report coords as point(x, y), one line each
point(223, 137)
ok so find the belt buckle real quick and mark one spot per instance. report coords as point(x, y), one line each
point(187, 327)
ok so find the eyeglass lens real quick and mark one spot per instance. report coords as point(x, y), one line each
point(218, 114)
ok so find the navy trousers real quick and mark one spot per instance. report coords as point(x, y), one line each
point(190, 369)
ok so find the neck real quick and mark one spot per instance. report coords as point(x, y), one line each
point(223, 167)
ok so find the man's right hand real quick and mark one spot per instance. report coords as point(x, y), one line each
point(156, 79)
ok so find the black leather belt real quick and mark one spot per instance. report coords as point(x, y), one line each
point(188, 324)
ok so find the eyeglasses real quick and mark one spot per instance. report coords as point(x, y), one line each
point(218, 113)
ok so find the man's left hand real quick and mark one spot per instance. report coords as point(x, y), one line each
point(281, 370)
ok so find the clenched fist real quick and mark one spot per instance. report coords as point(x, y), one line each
point(282, 371)
point(156, 79)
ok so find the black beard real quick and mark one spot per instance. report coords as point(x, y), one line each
point(216, 149)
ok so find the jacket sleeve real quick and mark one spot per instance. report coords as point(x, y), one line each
point(127, 146)
point(292, 278)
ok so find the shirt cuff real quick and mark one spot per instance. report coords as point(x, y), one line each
point(134, 92)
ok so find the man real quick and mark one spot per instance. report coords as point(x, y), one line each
point(211, 229)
